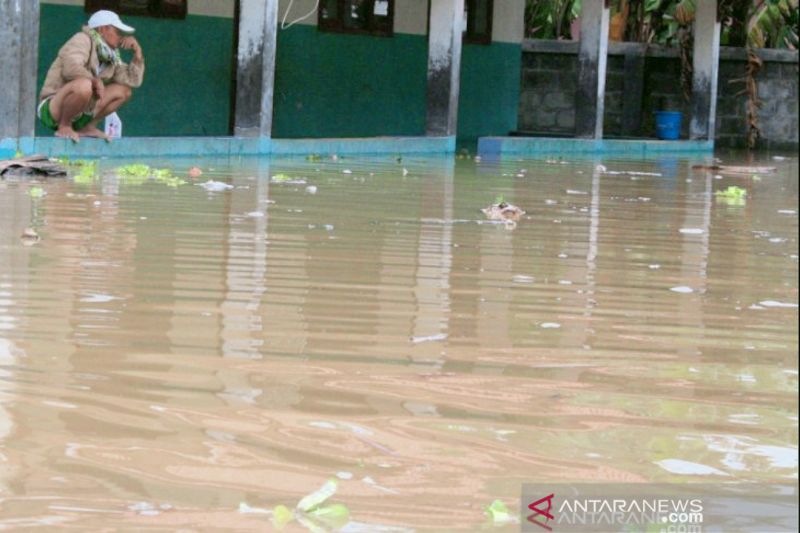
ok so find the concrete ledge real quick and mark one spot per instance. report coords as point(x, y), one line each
point(224, 146)
point(495, 146)
point(726, 53)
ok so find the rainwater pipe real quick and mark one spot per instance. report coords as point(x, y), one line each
point(285, 26)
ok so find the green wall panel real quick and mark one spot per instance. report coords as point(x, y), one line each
point(335, 85)
point(490, 85)
point(326, 84)
point(187, 82)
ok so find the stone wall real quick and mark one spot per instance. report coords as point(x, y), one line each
point(640, 81)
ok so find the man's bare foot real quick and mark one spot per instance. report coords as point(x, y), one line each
point(92, 131)
point(67, 132)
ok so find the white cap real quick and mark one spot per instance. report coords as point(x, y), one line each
point(108, 18)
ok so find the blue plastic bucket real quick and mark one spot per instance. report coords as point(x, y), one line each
point(668, 125)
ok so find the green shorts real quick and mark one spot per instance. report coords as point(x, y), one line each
point(46, 117)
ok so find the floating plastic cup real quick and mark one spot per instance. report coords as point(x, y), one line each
point(668, 125)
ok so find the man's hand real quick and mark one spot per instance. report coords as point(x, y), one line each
point(98, 88)
point(130, 43)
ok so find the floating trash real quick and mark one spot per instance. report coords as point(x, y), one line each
point(311, 189)
point(215, 186)
point(550, 325)
point(29, 237)
point(682, 290)
point(195, 172)
point(503, 211)
point(429, 338)
point(692, 231)
point(773, 303)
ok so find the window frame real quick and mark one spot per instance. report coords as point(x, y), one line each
point(469, 35)
point(154, 8)
point(337, 25)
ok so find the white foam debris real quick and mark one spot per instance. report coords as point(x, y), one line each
point(692, 231)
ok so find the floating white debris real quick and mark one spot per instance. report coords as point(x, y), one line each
point(787, 211)
point(678, 466)
point(429, 338)
point(692, 231)
point(215, 186)
point(773, 303)
point(682, 290)
point(347, 171)
point(311, 189)
point(654, 266)
point(344, 475)
point(549, 325)
point(572, 191)
point(255, 214)
point(550, 202)
point(601, 168)
point(779, 158)
point(405, 172)
point(519, 278)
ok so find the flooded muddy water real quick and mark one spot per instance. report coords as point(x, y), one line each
point(179, 357)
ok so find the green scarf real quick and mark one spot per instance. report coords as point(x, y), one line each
point(105, 53)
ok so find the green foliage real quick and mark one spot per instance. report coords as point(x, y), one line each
point(753, 23)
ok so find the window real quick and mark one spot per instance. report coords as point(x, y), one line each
point(175, 9)
point(372, 17)
point(478, 21)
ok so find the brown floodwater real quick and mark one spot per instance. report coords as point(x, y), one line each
point(174, 358)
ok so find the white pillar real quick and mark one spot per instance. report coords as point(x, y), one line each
point(255, 76)
point(19, 47)
point(590, 96)
point(444, 66)
point(706, 71)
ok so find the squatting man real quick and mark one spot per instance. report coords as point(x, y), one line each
point(88, 80)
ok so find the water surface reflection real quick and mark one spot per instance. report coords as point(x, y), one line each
point(168, 353)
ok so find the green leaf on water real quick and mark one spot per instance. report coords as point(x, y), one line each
point(36, 192)
point(281, 515)
point(733, 192)
point(499, 199)
point(137, 170)
point(336, 515)
point(279, 178)
point(498, 512)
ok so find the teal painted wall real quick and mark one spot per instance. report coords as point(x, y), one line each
point(335, 85)
point(187, 82)
point(326, 84)
point(490, 87)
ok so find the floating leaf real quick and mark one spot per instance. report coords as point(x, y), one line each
point(316, 498)
point(336, 515)
point(733, 192)
point(136, 169)
point(281, 516)
point(313, 157)
point(36, 192)
point(280, 178)
point(498, 513)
